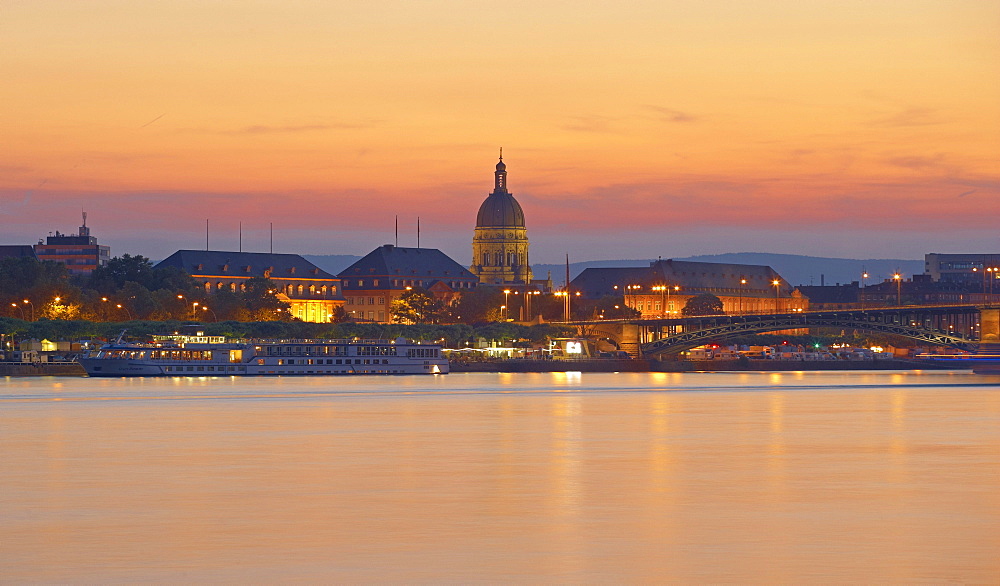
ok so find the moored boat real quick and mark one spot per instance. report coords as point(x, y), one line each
point(180, 355)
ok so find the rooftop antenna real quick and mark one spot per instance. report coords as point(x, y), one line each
point(206, 234)
point(397, 230)
point(272, 237)
point(418, 231)
point(84, 219)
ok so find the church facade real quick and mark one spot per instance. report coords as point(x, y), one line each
point(500, 243)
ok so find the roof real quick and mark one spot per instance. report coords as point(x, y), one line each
point(850, 293)
point(690, 276)
point(500, 210)
point(218, 263)
point(17, 251)
point(397, 261)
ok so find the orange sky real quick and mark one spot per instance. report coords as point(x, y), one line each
point(631, 130)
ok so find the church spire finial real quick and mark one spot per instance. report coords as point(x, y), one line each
point(501, 153)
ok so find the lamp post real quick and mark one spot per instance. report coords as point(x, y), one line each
point(194, 310)
point(777, 290)
point(19, 308)
point(127, 312)
point(992, 273)
point(743, 281)
point(899, 288)
point(214, 317)
point(676, 289)
point(864, 278)
point(663, 302)
point(28, 302)
point(527, 304)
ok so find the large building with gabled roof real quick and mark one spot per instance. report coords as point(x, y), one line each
point(371, 284)
point(664, 287)
point(312, 293)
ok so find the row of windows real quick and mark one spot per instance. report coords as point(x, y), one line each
point(375, 283)
point(305, 350)
point(289, 290)
point(512, 259)
point(308, 361)
point(205, 368)
point(422, 353)
point(361, 301)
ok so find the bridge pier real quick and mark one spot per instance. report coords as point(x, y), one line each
point(629, 341)
point(989, 325)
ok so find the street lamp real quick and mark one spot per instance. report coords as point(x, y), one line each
point(503, 313)
point(127, 312)
point(676, 289)
point(194, 309)
point(506, 298)
point(743, 281)
point(527, 303)
point(20, 308)
point(28, 301)
point(899, 289)
point(864, 278)
point(777, 289)
point(214, 317)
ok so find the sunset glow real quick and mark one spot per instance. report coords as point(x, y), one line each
point(630, 130)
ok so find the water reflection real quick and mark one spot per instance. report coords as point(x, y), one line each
point(565, 477)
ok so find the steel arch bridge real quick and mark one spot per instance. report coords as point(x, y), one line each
point(956, 326)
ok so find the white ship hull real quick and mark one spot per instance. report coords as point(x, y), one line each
point(301, 357)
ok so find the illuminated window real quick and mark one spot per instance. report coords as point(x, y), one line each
point(375, 283)
point(486, 259)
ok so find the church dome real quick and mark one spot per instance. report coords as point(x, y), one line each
point(500, 210)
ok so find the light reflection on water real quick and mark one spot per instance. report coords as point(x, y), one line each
point(567, 477)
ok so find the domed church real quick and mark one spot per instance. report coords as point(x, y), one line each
point(500, 244)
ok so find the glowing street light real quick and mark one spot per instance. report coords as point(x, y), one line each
point(207, 308)
point(127, 312)
point(899, 288)
point(28, 302)
point(506, 299)
point(864, 278)
point(777, 290)
point(19, 308)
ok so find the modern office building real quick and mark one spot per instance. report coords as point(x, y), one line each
point(312, 294)
point(964, 268)
point(371, 284)
point(79, 252)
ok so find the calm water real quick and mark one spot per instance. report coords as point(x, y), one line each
point(563, 477)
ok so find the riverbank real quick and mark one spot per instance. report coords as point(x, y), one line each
point(689, 365)
point(41, 369)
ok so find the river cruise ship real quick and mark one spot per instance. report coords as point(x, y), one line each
point(179, 355)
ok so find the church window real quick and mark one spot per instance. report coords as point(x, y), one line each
point(498, 258)
point(511, 259)
point(486, 259)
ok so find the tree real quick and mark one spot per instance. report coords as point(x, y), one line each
point(260, 297)
point(417, 306)
point(479, 305)
point(704, 304)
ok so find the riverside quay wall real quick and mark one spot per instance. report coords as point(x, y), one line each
point(515, 365)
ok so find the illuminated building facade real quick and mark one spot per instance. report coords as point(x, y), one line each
point(79, 252)
point(664, 287)
point(312, 294)
point(371, 284)
point(500, 243)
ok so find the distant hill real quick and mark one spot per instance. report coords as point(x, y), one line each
point(796, 269)
point(332, 263)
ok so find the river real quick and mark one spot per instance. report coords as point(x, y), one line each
point(742, 477)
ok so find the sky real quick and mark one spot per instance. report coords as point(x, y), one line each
point(854, 129)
